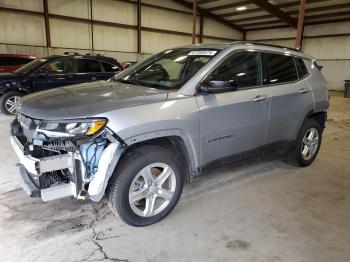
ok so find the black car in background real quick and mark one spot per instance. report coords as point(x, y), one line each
point(53, 71)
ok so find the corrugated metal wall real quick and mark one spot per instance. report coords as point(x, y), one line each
point(333, 53)
point(25, 33)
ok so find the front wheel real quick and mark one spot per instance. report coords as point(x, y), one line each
point(307, 145)
point(146, 186)
point(9, 101)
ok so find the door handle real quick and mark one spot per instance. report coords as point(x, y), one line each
point(259, 98)
point(303, 91)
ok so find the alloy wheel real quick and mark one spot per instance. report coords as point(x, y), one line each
point(152, 189)
point(310, 143)
point(11, 104)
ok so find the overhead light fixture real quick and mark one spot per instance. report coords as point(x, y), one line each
point(241, 8)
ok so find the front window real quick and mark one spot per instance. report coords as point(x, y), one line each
point(30, 67)
point(168, 70)
point(62, 66)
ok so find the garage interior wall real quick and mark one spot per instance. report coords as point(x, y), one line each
point(165, 24)
point(328, 43)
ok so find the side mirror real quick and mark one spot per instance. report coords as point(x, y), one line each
point(215, 86)
point(41, 73)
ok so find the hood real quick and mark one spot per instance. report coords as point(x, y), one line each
point(86, 100)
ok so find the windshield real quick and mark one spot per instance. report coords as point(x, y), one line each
point(27, 68)
point(167, 70)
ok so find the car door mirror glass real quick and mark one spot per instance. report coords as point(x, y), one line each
point(216, 86)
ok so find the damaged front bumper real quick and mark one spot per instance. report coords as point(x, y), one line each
point(61, 167)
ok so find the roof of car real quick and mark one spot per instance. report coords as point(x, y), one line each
point(251, 44)
point(18, 55)
point(77, 55)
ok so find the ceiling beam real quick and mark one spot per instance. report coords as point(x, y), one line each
point(203, 2)
point(338, 20)
point(257, 10)
point(332, 15)
point(308, 11)
point(208, 14)
point(233, 5)
point(275, 11)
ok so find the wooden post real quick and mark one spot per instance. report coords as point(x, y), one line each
point(139, 26)
point(300, 28)
point(201, 26)
point(91, 27)
point(194, 10)
point(47, 23)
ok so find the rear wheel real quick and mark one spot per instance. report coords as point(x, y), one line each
point(307, 145)
point(9, 102)
point(146, 186)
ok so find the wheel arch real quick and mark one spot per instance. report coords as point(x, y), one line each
point(319, 116)
point(175, 140)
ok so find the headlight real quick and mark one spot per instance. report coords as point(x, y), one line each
point(70, 128)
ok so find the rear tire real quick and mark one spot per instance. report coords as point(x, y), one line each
point(307, 145)
point(8, 102)
point(146, 185)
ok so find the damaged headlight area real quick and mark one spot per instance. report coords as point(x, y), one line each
point(71, 128)
point(65, 158)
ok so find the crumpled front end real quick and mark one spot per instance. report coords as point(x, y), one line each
point(54, 164)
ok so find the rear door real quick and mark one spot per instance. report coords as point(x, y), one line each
point(54, 74)
point(291, 99)
point(233, 124)
point(88, 70)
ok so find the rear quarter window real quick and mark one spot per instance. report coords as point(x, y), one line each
point(302, 70)
point(280, 68)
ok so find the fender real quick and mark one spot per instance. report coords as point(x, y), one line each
point(188, 143)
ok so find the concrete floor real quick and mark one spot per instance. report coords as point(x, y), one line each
point(258, 211)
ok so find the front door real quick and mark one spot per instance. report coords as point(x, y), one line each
point(54, 74)
point(233, 124)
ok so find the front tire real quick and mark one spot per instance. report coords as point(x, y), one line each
point(307, 145)
point(8, 102)
point(146, 185)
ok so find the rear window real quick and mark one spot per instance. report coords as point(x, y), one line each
point(280, 68)
point(302, 70)
point(88, 66)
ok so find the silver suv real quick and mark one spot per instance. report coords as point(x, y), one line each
point(138, 137)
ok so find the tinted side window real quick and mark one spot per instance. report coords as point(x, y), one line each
point(17, 61)
point(88, 66)
point(302, 68)
point(243, 67)
point(281, 68)
point(110, 68)
point(3, 61)
point(62, 66)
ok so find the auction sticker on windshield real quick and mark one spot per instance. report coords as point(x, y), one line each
point(203, 52)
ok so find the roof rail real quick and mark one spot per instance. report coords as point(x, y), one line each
point(93, 54)
point(71, 53)
point(264, 44)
